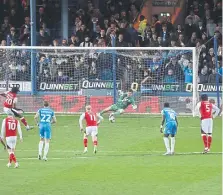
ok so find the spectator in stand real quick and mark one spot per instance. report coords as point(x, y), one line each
point(45, 76)
point(188, 72)
point(153, 41)
point(5, 27)
point(82, 33)
point(164, 34)
point(212, 77)
point(179, 30)
point(64, 43)
point(181, 41)
point(190, 28)
point(86, 42)
point(26, 25)
point(43, 38)
point(13, 37)
point(25, 37)
point(201, 29)
point(45, 29)
point(203, 76)
point(142, 25)
point(175, 66)
point(74, 42)
point(24, 74)
point(170, 77)
point(15, 18)
point(157, 24)
point(166, 22)
point(61, 77)
point(121, 42)
point(195, 19)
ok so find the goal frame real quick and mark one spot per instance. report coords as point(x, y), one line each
point(34, 49)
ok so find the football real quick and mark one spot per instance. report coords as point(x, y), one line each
point(112, 119)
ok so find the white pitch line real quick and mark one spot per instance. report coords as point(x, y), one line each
point(53, 158)
point(119, 155)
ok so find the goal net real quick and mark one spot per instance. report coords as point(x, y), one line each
point(70, 78)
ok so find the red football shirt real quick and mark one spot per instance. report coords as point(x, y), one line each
point(11, 125)
point(91, 119)
point(10, 99)
point(206, 110)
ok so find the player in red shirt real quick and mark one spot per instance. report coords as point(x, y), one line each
point(10, 126)
point(10, 105)
point(92, 123)
point(207, 111)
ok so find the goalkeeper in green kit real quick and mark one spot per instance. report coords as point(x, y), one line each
point(123, 102)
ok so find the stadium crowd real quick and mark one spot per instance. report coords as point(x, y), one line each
point(91, 26)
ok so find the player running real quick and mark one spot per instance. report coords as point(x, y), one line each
point(10, 126)
point(206, 111)
point(169, 116)
point(91, 127)
point(10, 105)
point(123, 102)
point(47, 117)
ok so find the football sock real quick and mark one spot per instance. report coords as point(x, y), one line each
point(205, 140)
point(46, 149)
point(172, 140)
point(85, 142)
point(13, 157)
point(209, 141)
point(23, 120)
point(10, 158)
point(95, 144)
point(167, 144)
point(41, 147)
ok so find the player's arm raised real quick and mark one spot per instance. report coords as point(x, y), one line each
point(216, 110)
point(81, 122)
point(19, 131)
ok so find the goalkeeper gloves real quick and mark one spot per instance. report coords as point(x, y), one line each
point(134, 107)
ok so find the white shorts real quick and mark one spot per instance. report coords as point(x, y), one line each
point(92, 131)
point(207, 125)
point(10, 111)
point(11, 141)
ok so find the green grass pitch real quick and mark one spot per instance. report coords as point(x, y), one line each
point(129, 161)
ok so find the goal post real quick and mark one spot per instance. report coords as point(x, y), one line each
point(71, 77)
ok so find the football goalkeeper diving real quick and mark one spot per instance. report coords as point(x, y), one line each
point(125, 99)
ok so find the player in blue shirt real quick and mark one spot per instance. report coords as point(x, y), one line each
point(44, 118)
point(171, 123)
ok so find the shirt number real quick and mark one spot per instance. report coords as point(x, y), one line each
point(172, 116)
point(207, 107)
point(9, 101)
point(93, 118)
point(11, 126)
point(45, 118)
